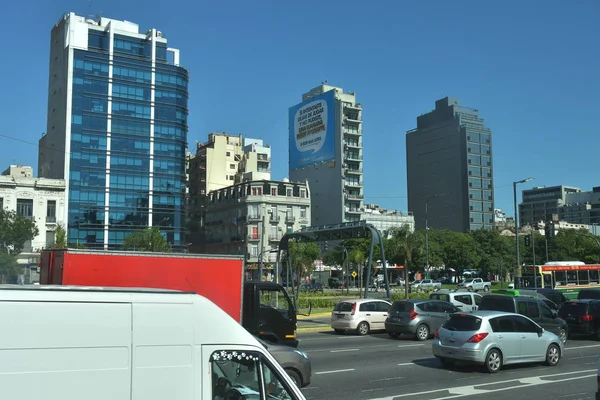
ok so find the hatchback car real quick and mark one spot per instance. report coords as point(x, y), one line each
point(418, 318)
point(582, 316)
point(362, 316)
point(494, 339)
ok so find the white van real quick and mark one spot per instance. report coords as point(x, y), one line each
point(73, 343)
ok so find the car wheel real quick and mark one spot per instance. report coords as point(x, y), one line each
point(486, 289)
point(563, 335)
point(393, 335)
point(363, 328)
point(422, 332)
point(470, 288)
point(340, 331)
point(295, 377)
point(553, 355)
point(493, 361)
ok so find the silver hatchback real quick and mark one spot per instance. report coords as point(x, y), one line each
point(361, 316)
point(494, 339)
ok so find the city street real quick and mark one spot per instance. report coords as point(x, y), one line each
point(378, 367)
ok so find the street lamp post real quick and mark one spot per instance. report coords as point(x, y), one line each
point(517, 283)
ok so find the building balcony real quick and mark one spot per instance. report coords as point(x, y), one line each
point(353, 107)
point(353, 157)
point(356, 171)
point(254, 218)
point(352, 145)
point(354, 196)
point(274, 218)
point(263, 159)
point(290, 219)
point(352, 184)
point(50, 220)
point(252, 238)
point(353, 211)
point(353, 119)
point(349, 132)
point(274, 238)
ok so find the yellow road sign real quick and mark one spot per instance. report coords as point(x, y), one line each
point(354, 274)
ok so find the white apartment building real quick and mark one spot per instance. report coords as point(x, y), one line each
point(250, 218)
point(384, 220)
point(326, 149)
point(39, 199)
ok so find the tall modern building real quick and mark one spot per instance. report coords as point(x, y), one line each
point(325, 149)
point(117, 130)
point(449, 169)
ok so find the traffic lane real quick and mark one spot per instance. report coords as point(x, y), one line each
point(373, 377)
point(311, 341)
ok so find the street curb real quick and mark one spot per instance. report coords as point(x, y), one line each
point(323, 314)
point(323, 328)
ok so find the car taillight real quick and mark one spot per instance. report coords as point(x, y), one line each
point(477, 338)
point(587, 318)
point(353, 309)
point(413, 314)
point(436, 334)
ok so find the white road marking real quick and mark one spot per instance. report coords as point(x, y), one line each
point(582, 347)
point(334, 371)
point(410, 345)
point(342, 350)
point(463, 391)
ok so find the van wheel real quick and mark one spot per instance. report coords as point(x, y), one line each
point(493, 361)
point(553, 355)
point(295, 377)
point(363, 328)
point(422, 332)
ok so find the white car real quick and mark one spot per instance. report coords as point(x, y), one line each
point(464, 300)
point(361, 316)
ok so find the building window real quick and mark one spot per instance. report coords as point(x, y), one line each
point(254, 234)
point(50, 238)
point(303, 213)
point(231, 166)
point(302, 193)
point(51, 211)
point(228, 154)
point(256, 191)
point(289, 192)
point(25, 208)
point(254, 250)
point(1, 203)
point(273, 191)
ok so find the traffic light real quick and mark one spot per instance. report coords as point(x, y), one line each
point(528, 241)
point(550, 230)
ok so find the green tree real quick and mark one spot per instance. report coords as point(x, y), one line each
point(491, 246)
point(574, 245)
point(302, 257)
point(150, 239)
point(334, 257)
point(15, 230)
point(9, 268)
point(60, 237)
point(460, 251)
point(402, 247)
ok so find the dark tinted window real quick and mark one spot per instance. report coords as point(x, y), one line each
point(446, 308)
point(464, 298)
point(366, 307)
point(344, 307)
point(382, 307)
point(546, 312)
point(502, 324)
point(573, 308)
point(429, 307)
point(439, 296)
point(401, 306)
point(533, 310)
point(524, 325)
point(463, 322)
point(588, 294)
point(522, 307)
point(497, 303)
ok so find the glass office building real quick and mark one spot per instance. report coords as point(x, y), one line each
point(117, 130)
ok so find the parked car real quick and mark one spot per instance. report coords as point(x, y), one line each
point(475, 285)
point(295, 362)
point(531, 307)
point(427, 285)
point(362, 316)
point(495, 339)
point(311, 287)
point(582, 316)
point(419, 318)
point(465, 301)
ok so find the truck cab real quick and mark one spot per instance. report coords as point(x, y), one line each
point(269, 313)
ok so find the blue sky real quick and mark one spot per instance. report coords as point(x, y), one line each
point(530, 67)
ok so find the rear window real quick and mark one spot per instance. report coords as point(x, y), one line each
point(573, 308)
point(589, 294)
point(439, 296)
point(401, 306)
point(344, 307)
point(497, 303)
point(462, 322)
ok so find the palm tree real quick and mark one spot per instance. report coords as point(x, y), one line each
point(402, 246)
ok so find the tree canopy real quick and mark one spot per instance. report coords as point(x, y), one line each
point(150, 239)
point(15, 231)
point(302, 257)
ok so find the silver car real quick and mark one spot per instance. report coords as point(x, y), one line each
point(494, 339)
point(361, 316)
point(418, 318)
point(295, 362)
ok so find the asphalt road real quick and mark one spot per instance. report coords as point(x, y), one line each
point(372, 367)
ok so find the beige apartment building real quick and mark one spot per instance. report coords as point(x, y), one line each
point(250, 218)
point(222, 161)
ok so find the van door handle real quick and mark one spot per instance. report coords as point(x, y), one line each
point(368, 315)
point(500, 337)
point(523, 337)
point(385, 315)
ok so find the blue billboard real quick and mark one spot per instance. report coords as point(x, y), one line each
point(312, 131)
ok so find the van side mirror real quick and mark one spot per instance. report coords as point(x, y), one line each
point(554, 315)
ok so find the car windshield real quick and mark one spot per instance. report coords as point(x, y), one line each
point(401, 306)
point(463, 322)
point(343, 307)
point(497, 303)
point(573, 308)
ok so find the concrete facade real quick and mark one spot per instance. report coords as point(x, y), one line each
point(337, 185)
point(449, 169)
point(250, 218)
point(384, 220)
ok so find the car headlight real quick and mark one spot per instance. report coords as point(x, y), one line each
point(303, 354)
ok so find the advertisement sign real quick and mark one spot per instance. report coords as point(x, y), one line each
point(312, 137)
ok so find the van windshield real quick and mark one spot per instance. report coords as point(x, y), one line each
point(497, 303)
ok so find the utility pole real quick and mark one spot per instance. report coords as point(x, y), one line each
point(262, 246)
point(533, 256)
point(518, 273)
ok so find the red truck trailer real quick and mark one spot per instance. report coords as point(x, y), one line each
point(263, 308)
